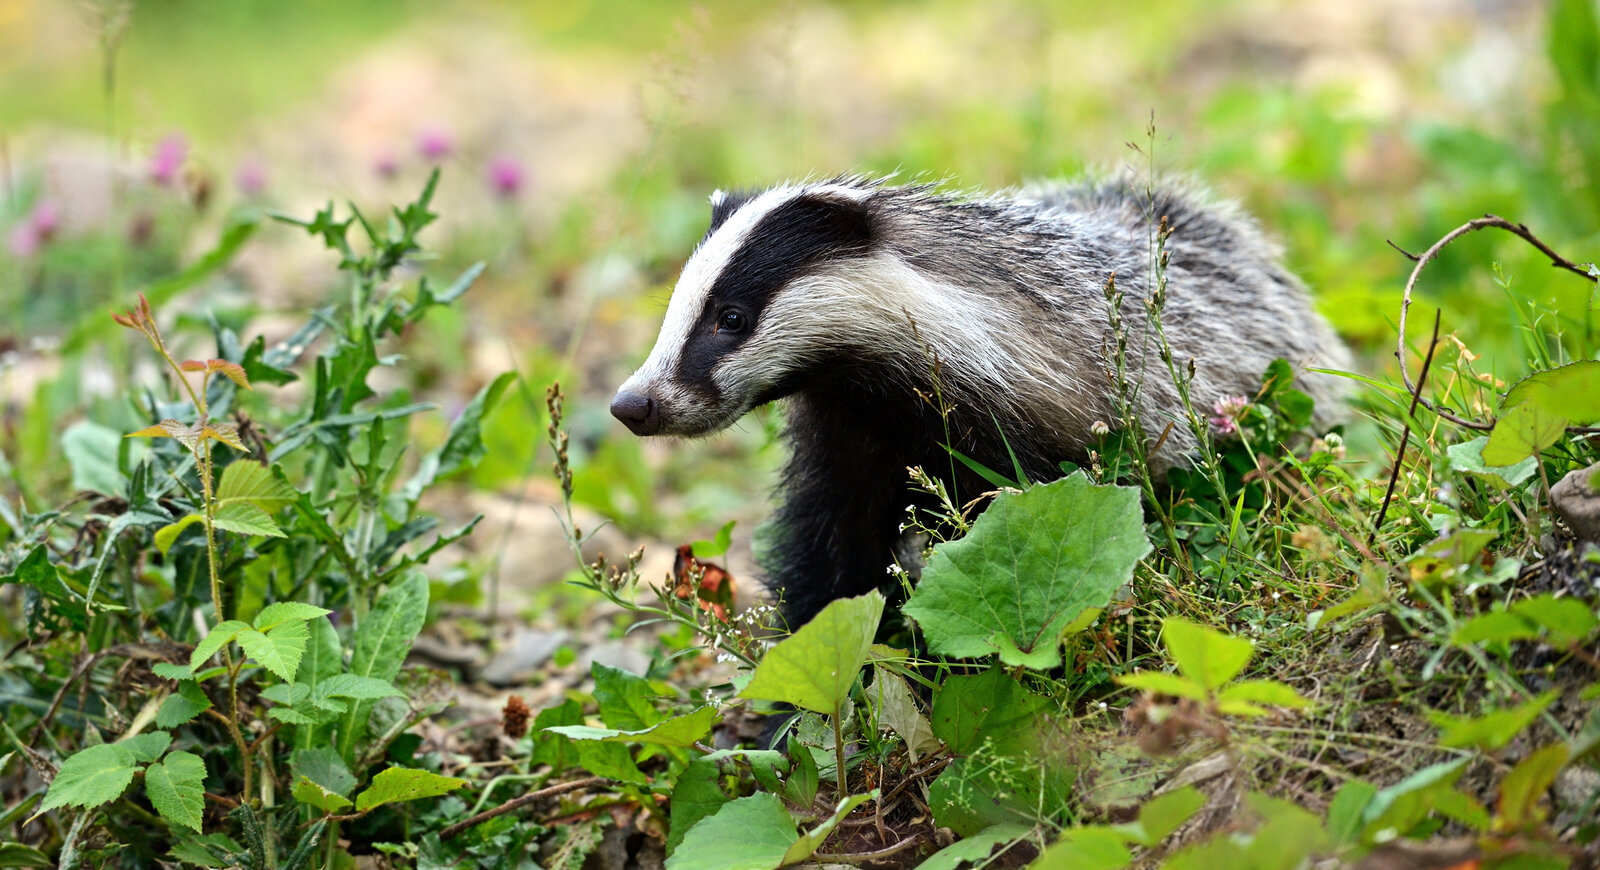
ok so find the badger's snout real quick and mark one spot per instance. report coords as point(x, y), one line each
point(638, 412)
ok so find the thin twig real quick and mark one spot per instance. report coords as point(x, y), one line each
point(1489, 220)
point(1405, 433)
point(518, 802)
point(864, 857)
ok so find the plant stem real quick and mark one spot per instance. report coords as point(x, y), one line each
point(838, 753)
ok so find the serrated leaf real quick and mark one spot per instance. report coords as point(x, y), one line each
point(187, 434)
point(396, 784)
point(278, 650)
point(1032, 563)
point(751, 833)
point(216, 639)
point(308, 792)
point(93, 776)
point(176, 788)
point(172, 671)
point(227, 433)
point(1205, 655)
point(679, 731)
point(246, 519)
point(382, 641)
point(624, 698)
point(696, 795)
point(815, 667)
point(361, 688)
point(188, 702)
point(284, 611)
point(1493, 730)
point(147, 747)
point(1162, 815)
point(167, 534)
point(247, 481)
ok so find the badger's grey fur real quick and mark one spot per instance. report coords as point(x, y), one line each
point(834, 295)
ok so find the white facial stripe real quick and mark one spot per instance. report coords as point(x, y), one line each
point(694, 285)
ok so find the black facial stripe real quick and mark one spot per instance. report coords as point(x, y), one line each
point(782, 245)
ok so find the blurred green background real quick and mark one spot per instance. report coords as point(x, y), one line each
point(580, 140)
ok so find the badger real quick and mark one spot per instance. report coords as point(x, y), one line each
point(898, 322)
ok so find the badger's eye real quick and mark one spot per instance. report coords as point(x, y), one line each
point(731, 321)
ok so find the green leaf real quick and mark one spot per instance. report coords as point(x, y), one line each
point(308, 792)
point(278, 650)
point(176, 788)
point(1567, 620)
point(1087, 848)
point(1468, 456)
point(276, 614)
point(169, 533)
point(1205, 655)
point(815, 667)
point(217, 638)
point(463, 446)
point(1538, 409)
point(381, 643)
point(1345, 812)
point(1162, 815)
point(1165, 684)
point(624, 698)
point(896, 708)
point(806, 846)
point(1032, 563)
point(1241, 697)
point(1574, 48)
point(188, 702)
point(172, 672)
point(679, 731)
point(696, 795)
point(324, 767)
point(1496, 626)
point(19, 855)
point(1526, 784)
point(717, 545)
point(37, 571)
point(751, 833)
point(1444, 560)
point(245, 518)
point(361, 688)
point(93, 776)
point(194, 850)
point(396, 784)
point(974, 850)
point(91, 451)
point(1400, 806)
point(991, 708)
point(1491, 731)
point(253, 483)
point(147, 747)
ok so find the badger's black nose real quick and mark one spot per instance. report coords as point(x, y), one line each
point(637, 411)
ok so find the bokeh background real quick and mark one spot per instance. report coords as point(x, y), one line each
point(579, 141)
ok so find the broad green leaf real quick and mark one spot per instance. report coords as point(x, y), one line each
point(815, 667)
point(253, 483)
point(679, 731)
point(1468, 456)
point(324, 656)
point(92, 776)
point(284, 611)
point(1402, 805)
point(1568, 620)
point(37, 571)
point(751, 833)
point(717, 545)
point(361, 688)
point(978, 791)
point(91, 450)
point(1165, 684)
point(974, 850)
point(167, 534)
point(624, 698)
point(1441, 562)
point(188, 702)
point(324, 767)
point(1497, 626)
point(463, 446)
point(991, 708)
point(896, 708)
point(193, 849)
point(1204, 654)
point(696, 795)
point(176, 788)
point(246, 519)
point(172, 672)
point(1345, 812)
point(382, 641)
point(308, 792)
point(147, 747)
point(1526, 784)
point(396, 784)
point(1491, 731)
point(806, 846)
point(216, 638)
point(1032, 563)
point(1088, 848)
point(1243, 696)
point(1162, 815)
point(1538, 409)
point(19, 855)
point(278, 650)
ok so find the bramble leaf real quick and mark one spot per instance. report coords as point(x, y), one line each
point(176, 788)
point(92, 776)
point(397, 784)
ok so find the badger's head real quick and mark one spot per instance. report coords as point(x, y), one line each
point(755, 310)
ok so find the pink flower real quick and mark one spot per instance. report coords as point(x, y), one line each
point(40, 227)
point(168, 159)
point(251, 176)
point(433, 143)
point(1228, 410)
point(386, 165)
point(505, 176)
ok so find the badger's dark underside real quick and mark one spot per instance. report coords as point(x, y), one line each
point(845, 489)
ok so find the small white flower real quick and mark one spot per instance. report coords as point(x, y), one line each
point(1099, 429)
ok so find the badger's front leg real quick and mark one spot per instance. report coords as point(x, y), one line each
point(844, 495)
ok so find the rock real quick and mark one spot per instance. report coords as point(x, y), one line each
point(1576, 500)
point(1576, 787)
point(529, 648)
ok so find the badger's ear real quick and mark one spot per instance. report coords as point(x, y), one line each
point(723, 204)
point(842, 215)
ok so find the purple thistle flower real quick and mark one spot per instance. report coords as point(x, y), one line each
point(168, 159)
point(505, 176)
point(251, 176)
point(433, 143)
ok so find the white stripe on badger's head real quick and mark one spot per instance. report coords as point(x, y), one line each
point(757, 246)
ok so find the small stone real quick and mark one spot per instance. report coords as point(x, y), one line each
point(1576, 501)
point(528, 649)
point(1576, 787)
